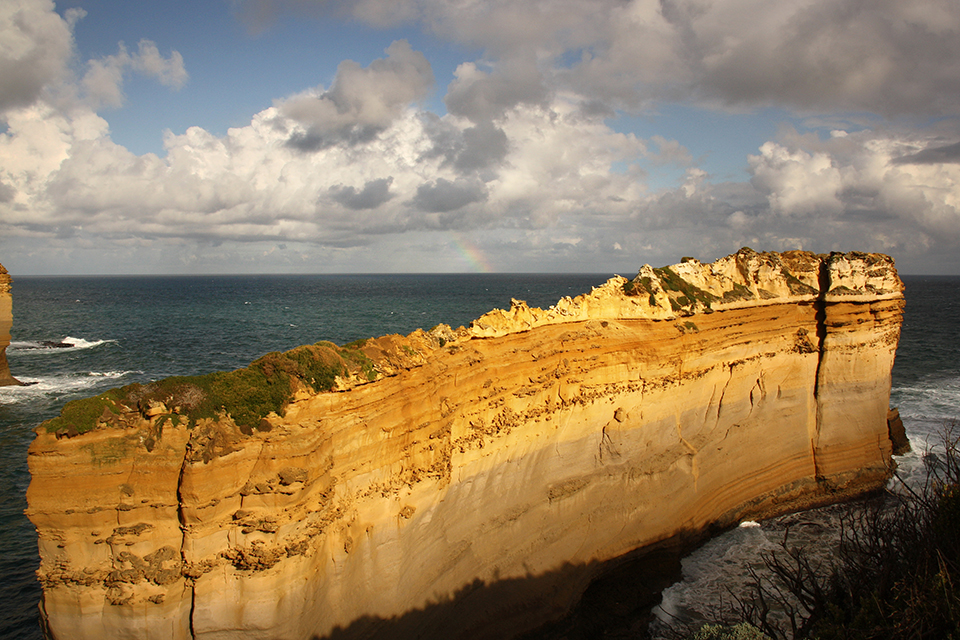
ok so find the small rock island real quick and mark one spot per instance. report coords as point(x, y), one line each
point(471, 482)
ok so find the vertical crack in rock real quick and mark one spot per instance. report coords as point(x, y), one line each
point(183, 541)
point(820, 307)
point(723, 393)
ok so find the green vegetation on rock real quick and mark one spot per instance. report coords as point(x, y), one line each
point(739, 292)
point(690, 294)
point(247, 395)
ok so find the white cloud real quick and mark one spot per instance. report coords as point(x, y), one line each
point(861, 177)
point(103, 81)
point(797, 182)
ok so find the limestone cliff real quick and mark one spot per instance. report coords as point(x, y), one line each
point(468, 483)
point(6, 320)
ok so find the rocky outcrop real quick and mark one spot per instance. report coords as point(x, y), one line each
point(6, 320)
point(470, 483)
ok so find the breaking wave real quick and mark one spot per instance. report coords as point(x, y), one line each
point(55, 386)
point(67, 344)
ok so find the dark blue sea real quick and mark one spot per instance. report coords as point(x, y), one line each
point(137, 329)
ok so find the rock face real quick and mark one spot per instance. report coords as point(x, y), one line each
point(6, 320)
point(469, 483)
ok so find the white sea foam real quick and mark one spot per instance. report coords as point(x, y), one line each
point(112, 374)
point(35, 388)
point(53, 346)
point(929, 399)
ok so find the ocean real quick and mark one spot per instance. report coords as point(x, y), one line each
point(120, 330)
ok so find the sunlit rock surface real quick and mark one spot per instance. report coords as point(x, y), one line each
point(6, 320)
point(480, 480)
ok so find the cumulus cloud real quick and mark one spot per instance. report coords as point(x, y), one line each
point(670, 152)
point(361, 101)
point(483, 146)
point(482, 96)
point(35, 46)
point(847, 191)
point(103, 81)
point(67, 178)
point(797, 182)
point(860, 178)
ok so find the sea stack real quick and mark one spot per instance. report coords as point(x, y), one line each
point(467, 483)
point(6, 321)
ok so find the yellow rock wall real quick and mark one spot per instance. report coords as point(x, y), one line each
point(6, 321)
point(474, 487)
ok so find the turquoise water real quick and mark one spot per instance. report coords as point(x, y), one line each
point(137, 329)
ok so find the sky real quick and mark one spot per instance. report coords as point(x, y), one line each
point(439, 136)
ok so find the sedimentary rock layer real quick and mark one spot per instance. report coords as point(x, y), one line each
point(469, 483)
point(6, 321)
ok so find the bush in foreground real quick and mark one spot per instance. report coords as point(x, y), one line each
point(895, 575)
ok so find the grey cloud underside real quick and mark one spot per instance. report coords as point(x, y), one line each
point(34, 48)
point(317, 139)
point(889, 57)
point(933, 155)
point(6, 192)
point(443, 196)
point(885, 56)
point(371, 196)
point(21, 84)
point(362, 101)
point(483, 146)
point(484, 96)
point(474, 149)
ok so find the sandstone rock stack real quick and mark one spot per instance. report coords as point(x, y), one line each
point(469, 483)
point(6, 320)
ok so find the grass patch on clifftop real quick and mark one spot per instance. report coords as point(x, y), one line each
point(247, 395)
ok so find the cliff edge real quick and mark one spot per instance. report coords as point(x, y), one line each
point(6, 321)
point(466, 483)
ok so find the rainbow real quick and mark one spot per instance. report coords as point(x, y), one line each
point(472, 254)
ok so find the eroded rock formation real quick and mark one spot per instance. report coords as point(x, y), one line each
point(6, 321)
point(469, 483)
